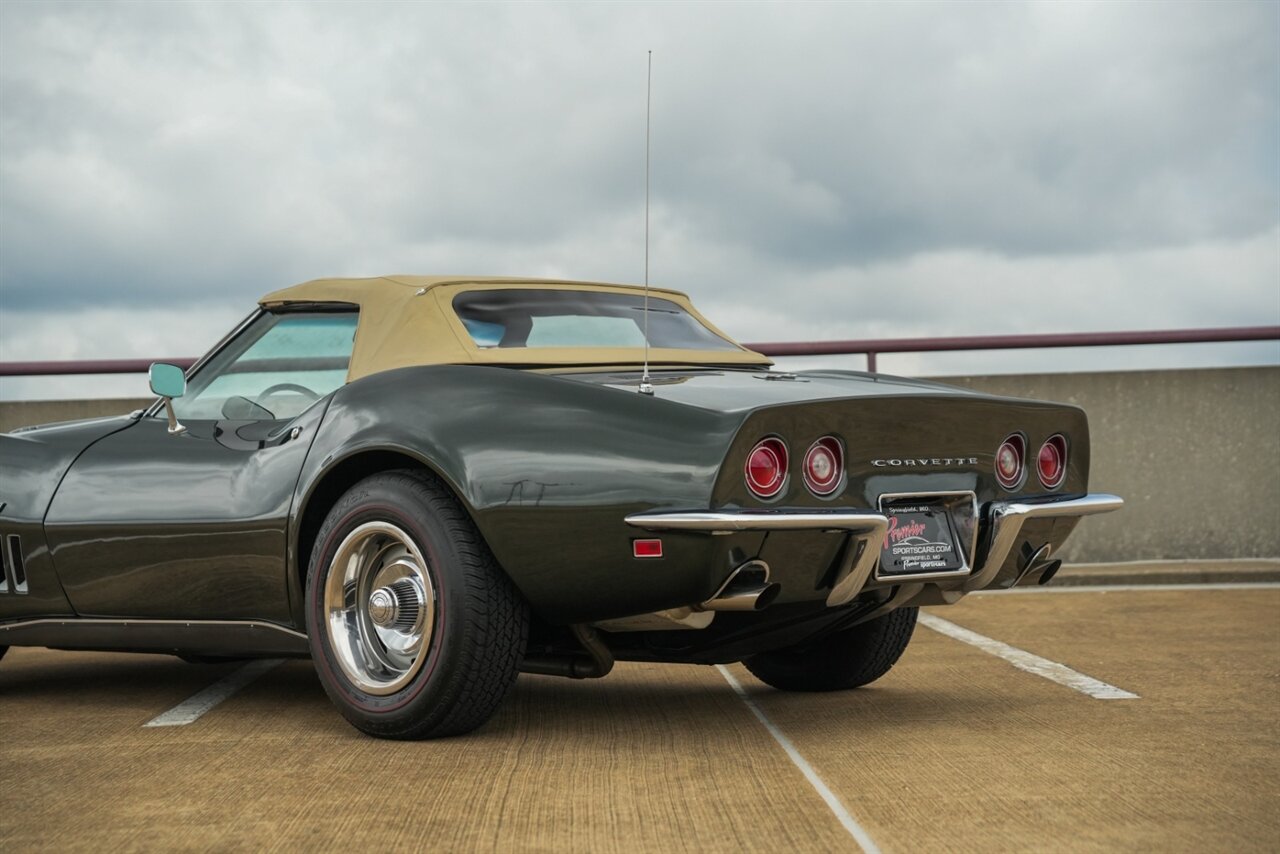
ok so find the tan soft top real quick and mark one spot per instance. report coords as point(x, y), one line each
point(409, 320)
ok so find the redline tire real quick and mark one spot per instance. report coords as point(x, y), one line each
point(445, 674)
point(847, 659)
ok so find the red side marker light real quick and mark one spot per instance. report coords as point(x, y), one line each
point(646, 548)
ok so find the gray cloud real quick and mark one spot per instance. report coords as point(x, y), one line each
point(828, 170)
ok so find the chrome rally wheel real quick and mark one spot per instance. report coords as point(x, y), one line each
point(380, 607)
point(414, 629)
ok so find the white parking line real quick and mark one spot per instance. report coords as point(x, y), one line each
point(833, 803)
point(1132, 588)
point(1023, 660)
point(190, 709)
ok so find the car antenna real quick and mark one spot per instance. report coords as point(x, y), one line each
point(646, 387)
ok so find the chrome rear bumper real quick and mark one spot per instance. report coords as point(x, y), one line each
point(867, 530)
point(1006, 519)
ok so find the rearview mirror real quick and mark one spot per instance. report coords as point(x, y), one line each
point(167, 380)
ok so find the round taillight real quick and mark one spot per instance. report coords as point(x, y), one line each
point(1009, 458)
point(767, 467)
point(824, 466)
point(1052, 461)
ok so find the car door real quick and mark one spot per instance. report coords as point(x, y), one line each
point(150, 523)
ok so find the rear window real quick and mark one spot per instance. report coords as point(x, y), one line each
point(535, 318)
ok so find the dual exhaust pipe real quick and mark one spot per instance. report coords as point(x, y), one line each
point(746, 589)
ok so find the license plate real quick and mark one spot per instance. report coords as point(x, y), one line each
point(921, 540)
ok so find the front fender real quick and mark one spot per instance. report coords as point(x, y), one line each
point(33, 463)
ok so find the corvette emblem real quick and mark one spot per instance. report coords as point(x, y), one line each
point(925, 462)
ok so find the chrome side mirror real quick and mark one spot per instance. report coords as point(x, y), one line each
point(168, 381)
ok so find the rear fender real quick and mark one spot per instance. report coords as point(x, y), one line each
point(548, 469)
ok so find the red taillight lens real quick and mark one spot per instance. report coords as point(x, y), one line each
point(1052, 461)
point(1009, 457)
point(767, 467)
point(646, 548)
point(824, 466)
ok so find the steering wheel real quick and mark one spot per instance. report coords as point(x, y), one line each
point(294, 387)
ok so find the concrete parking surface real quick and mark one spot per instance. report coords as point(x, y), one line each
point(956, 749)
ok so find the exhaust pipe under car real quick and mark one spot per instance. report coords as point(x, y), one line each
point(746, 589)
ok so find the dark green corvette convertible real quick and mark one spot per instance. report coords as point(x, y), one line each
point(428, 485)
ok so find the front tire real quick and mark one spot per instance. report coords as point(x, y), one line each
point(847, 659)
point(414, 629)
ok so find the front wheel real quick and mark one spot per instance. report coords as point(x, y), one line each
point(846, 659)
point(414, 629)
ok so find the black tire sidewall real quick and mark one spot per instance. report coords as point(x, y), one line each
point(385, 500)
point(848, 659)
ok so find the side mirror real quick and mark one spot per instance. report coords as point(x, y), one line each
point(169, 382)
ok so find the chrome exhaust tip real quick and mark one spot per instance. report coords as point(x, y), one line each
point(746, 589)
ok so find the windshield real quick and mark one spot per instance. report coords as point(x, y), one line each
point(276, 368)
point(565, 318)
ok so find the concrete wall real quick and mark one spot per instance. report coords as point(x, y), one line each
point(1196, 454)
point(20, 413)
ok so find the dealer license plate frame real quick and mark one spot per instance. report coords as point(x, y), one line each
point(953, 514)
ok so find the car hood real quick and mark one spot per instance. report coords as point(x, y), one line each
point(90, 429)
point(34, 459)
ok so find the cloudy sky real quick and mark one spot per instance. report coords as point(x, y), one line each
point(819, 171)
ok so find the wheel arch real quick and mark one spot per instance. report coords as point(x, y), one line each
point(331, 483)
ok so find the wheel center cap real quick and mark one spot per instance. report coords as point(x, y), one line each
point(384, 607)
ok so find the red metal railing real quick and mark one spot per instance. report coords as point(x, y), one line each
point(85, 366)
point(870, 347)
point(1017, 342)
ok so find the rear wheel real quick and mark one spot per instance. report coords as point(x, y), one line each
point(847, 659)
point(414, 629)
